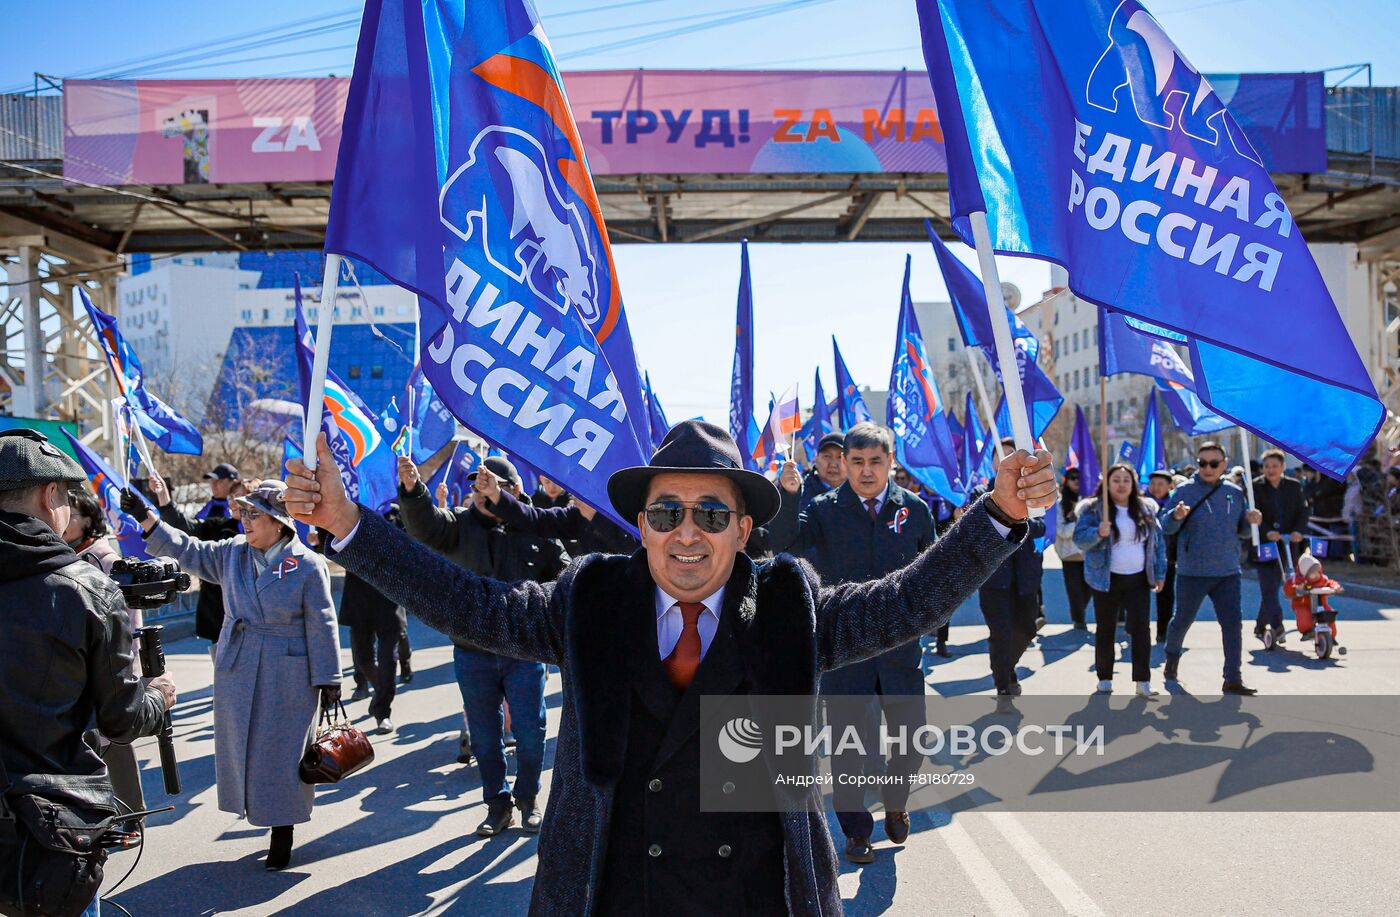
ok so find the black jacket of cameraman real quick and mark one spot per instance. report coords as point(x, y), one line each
point(65, 662)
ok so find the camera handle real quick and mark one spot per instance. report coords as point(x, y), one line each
point(153, 666)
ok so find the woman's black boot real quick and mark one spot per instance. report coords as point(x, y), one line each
point(279, 853)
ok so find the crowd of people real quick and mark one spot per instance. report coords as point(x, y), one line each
point(520, 581)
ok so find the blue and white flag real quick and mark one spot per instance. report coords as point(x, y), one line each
point(158, 421)
point(923, 445)
point(108, 485)
point(462, 177)
point(367, 465)
point(1088, 139)
point(853, 409)
point(1130, 345)
point(1043, 399)
point(395, 429)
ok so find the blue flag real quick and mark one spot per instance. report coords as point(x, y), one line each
point(853, 409)
point(1088, 139)
point(461, 176)
point(955, 430)
point(742, 426)
point(659, 425)
point(914, 409)
point(1189, 413)
point(1083, 455)
point(819, 424)
point(158, 421)
point(366, 462)
point(1128, 453)
point(977, 462)
point(1151, 452)
point(433, 423)
point(108, 485)
point(972, 424)
point(1043, 399)
point(1130, 345)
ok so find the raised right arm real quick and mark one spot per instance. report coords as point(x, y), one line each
point(432, 525)
point(204, 559)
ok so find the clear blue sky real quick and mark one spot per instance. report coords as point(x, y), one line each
point(681, 299)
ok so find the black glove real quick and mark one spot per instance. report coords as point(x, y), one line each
point(134, 506)
point(330, 696)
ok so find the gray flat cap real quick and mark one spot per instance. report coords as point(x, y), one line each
point(27, 458)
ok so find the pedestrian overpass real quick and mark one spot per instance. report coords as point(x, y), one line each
point(106, 169)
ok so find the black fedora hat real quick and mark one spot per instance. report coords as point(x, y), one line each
point(694, 446)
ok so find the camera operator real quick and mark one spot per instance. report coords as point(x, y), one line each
point(64, 611)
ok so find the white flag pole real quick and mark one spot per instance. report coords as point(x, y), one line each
point(412, 389)
point(1248, 481)
point(315, 403)
point(1001, 332)
point(987, 407)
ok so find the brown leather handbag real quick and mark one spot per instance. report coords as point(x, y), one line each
point(338, 750)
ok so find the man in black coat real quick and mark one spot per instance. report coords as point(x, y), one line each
point(828, 468)
point(1280, 501)
point(580, 528)
point(867, 528)
point(213, 522)
point(1010, 601)
point(476, 539)
point(639, 640)
point(65, 645)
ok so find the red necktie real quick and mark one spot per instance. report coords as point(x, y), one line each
point(870, 507)
point(685, 658)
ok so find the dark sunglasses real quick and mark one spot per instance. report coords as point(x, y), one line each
point(248, 515)
point(667, 515)
point(1207, 464)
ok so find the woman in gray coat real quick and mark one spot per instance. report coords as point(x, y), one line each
point(279, 643)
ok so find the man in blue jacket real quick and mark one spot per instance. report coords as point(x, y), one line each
point(867, 528)
point(1208, 516)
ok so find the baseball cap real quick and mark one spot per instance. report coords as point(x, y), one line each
point(501, 468)
point(223, 472)
point(830, 440)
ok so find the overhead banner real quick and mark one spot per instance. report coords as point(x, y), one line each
point(124, 132)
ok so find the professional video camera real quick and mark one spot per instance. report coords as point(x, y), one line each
point(149, 583)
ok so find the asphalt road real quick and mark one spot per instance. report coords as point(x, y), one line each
point(397, 839)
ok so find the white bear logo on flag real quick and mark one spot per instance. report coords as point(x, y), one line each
point(1167, 91)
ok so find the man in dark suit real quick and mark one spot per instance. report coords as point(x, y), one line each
point(1010, 601)
point(867, 528)
point(1279, 500)
point(638, 640)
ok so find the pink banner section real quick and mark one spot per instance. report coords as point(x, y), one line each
point(123, 132)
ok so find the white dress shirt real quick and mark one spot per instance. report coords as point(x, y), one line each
point(879, 501)
point(670, 622)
